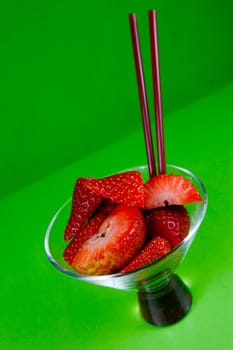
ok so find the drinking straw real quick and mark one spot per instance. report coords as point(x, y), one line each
point(142, 95)
point(157, 91)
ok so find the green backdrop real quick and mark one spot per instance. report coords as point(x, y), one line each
point(68, 84)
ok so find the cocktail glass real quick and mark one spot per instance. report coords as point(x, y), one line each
point(162, 296)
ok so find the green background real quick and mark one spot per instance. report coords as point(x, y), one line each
point(68, 84)
point(69, 108)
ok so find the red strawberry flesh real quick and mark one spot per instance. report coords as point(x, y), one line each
point(120, 238)
point(171, 222)
point(86, 232)
point(125, 188)
point(156, 248)
point(163, 190)
point(84, 203)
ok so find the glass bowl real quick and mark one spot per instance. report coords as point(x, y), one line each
point(163, 297)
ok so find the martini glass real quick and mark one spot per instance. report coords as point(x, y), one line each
point(162, 296)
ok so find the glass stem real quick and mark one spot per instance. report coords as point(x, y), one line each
point(167, 305)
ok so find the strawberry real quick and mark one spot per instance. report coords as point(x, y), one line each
point(167, 189)
point(119, 240)
point(86, 232)
point(125, 188)
point(154, 249)
point(171, 222)
point(84, 203)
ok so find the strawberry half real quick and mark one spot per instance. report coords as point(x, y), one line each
point(119, 240)
point(168, 189)
point(90, 229)
point(84, 203)
point(154, 249)
point(171, 222)
point(125, 188)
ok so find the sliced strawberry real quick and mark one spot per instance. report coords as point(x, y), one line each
point(168, 189)
point(154, 249)
point(126, 188)
point(84, 203)
point(120, 238)
point(171, 222)
point(90, 229)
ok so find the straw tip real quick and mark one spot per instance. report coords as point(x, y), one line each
point(152, 12)
point(132, 15)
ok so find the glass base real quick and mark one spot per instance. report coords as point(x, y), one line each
point(167, 305)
